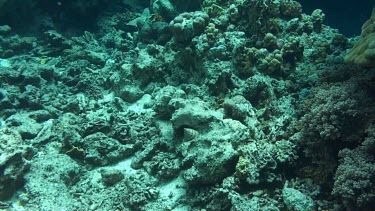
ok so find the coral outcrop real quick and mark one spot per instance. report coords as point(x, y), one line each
point(363, 51)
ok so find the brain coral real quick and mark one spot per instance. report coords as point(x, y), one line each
point(363, 52)
point(188, 24)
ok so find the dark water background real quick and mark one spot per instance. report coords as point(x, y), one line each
point(345, 15)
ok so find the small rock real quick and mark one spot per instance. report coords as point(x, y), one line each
point(111, 176)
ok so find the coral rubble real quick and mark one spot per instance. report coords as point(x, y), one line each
point(183, 105)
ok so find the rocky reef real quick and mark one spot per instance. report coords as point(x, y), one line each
point(184, 105)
